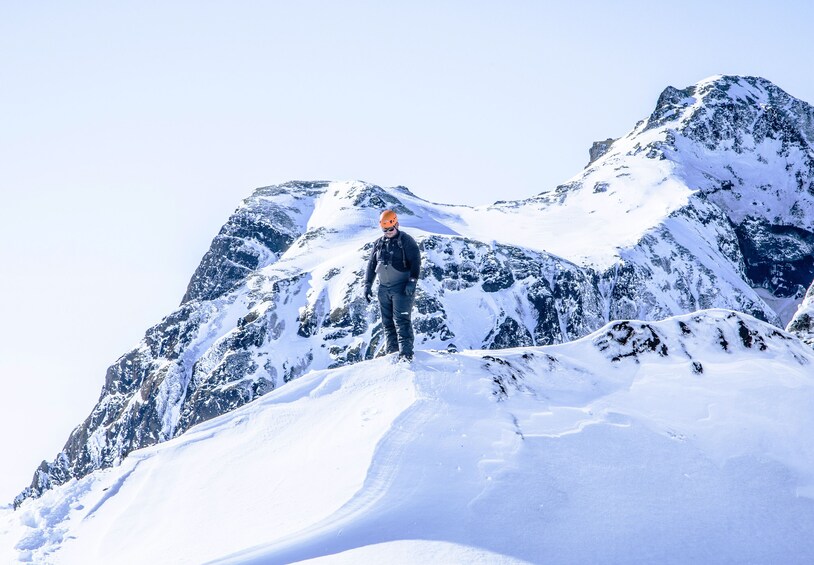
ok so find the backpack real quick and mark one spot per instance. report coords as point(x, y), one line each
point(380, 243)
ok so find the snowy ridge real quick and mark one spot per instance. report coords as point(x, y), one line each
point(685, 440)
point(707, 203)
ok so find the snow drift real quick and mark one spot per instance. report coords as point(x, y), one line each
point(685, 440)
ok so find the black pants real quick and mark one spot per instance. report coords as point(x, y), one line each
point(396, 309)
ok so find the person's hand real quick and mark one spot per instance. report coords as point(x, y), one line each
point(409, 288)
point(368, 294)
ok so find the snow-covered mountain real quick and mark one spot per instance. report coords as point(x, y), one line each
point(681, 441)
point(708, 203)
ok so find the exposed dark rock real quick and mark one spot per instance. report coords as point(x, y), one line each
point(626, 339)
point(598, 149)
point(802, 324)
point(778, 258)
point(509, 334)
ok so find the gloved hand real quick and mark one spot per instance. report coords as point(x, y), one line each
point(409, 288)
point(368, 294)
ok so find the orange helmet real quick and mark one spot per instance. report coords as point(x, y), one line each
point(388, 219)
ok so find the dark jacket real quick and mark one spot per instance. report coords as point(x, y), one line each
point(399, 254)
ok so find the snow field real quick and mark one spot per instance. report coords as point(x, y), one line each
point(237, 479)
point(609, 449)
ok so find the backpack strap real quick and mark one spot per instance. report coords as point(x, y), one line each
point(403, 254)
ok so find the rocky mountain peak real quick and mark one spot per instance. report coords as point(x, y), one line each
point(742, 145)
point(733, 113)
point(737, 100)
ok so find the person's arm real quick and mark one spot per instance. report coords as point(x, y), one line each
point(414, 257)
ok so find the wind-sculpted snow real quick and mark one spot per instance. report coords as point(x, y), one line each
point(680, 441)
point(708, 203)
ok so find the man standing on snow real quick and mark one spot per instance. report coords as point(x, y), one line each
point(397, 262)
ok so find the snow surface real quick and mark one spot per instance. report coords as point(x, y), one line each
point(583, 226)
point(592, 451)
point(686, 440)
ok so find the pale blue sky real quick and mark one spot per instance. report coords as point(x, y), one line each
point(129, 131)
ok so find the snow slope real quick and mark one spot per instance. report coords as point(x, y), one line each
point(685, 440)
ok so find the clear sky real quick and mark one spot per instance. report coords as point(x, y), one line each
point(129, 131)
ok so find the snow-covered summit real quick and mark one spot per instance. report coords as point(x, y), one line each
point(685, 440)
point(661, 223)
point(740, 143)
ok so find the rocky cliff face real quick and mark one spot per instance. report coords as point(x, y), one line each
point(802, 324)
point(709, 203)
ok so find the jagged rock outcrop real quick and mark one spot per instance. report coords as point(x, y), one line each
point(802, 324)
point(598, 149)
point(709, 203)
point(252, 238)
